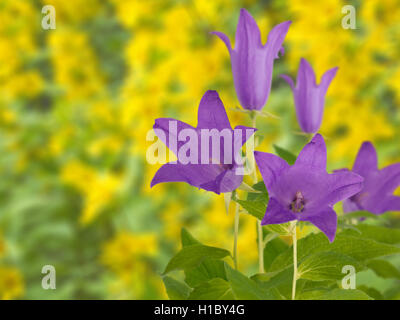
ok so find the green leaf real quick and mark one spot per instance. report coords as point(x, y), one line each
point(384, 269)
point(392, 293)
point(286, 155)
point(255, 208)
point(227, 201)
point(215, 289)
point(187, 239)
point(318, 285)
point(279, 281)
point(244, 288)
point(360, 249)
point(335, 294)
point(326, 266)
point(272, 250)
point(192, 255)
point(260, 186)
point(260, 195)
point(256, 203)
point(207, 270)
point(372, 292)
point(380, 234)
point(282, 282)
point(281, 229)
point(176, 290)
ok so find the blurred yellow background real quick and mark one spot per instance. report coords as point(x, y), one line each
point(77, 102)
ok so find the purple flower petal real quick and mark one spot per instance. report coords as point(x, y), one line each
point(276, 213)
point(247, 32)
point(224, 182)
point(305, 191)
point(339, 186)
point(193, 174)
point(313, 154)
point(351, 206)
point(379, 185)
point(275, 39)
point(270, 166)
point(376, 196)
point(392, 204)
point(389, 178)
point(224, 39)
point(168, 129)
point(221, 171)
point(245, 133)
point(289, 80)
point(305, 76)
point(212, 114)
point(252, 63)
point(366, 160)
point(325, 219)
point(327, 78)
point(309, 97)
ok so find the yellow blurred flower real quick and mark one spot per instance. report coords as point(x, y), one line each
point(125, 251)
point(98, 189)
point(2, 246)
point(75, 64)
point(11, 283)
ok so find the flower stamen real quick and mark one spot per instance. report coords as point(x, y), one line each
point(298, 202)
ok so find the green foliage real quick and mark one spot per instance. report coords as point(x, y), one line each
point(286, 155)
point(325, 266)
point(191, 256)
point(384, 269)
point(356, 247)
point(335, 294)
point(272, 249)
point(176, 290)
point(255, 208)
point(214, 289)
point(256, 202)
point(320, 264)
point(381, 234)
point(207, 270)
point(245, 288)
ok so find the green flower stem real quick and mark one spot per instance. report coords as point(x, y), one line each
point(259, 226)
point(294, 236)
point(235, 238)
point(260, 247)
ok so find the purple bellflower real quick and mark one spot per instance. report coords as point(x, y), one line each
point(309, 98)
point(252, 62)
point(305, 191)
point(219, 173)
point(377, 194)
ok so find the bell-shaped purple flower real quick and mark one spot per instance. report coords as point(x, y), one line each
point(214, 162)
point(309, 98)
point(377, 194)
point(252, 62)
point(305, 191)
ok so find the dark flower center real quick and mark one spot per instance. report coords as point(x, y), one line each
point(298, 202)
point(226, 166)
point(358, 197)
point(222, 166)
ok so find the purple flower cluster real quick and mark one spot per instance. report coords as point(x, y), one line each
point(303, 191)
